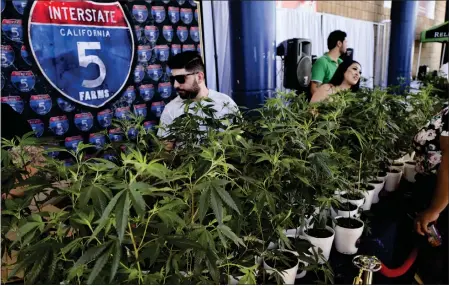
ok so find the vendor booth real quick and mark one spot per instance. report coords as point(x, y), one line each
point(436, 34)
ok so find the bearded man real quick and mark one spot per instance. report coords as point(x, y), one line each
point(188, 78)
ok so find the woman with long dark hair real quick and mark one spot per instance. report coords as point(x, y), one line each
point(346, 77)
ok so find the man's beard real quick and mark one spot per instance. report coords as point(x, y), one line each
point(189, 94)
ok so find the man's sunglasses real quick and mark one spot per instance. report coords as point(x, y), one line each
point(180, 78)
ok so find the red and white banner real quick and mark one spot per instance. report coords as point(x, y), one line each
point(309, 5)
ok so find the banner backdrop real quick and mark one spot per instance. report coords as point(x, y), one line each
point(70, 67)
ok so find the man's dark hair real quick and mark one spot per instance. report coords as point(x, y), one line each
point(334, 37)
point(190, 60)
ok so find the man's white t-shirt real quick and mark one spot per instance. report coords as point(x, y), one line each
point(221, 103)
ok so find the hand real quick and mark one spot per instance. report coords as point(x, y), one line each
point(423, 219)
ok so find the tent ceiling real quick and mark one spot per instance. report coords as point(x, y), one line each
point(438, 33)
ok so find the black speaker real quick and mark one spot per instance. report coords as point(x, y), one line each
point(297, 63)
point(422, 72)
point(349, 55)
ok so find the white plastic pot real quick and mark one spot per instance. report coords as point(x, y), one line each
point(392, 182)
point(335, 213)
point(369, 196)
point(409, 172)
point(358, 203)
point(288, 275)
point(303, 272)
point(383, 179)
point(234, 281)
point(377, 189)
point(346, 238)
point(292, 232)
point(399, 168)
point(324, 243)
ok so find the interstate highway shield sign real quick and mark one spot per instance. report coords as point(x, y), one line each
point(84, 49)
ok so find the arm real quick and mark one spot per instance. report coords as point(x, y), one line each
point(164, 131)
point(440, 199)
point(321, 94)
point(314, 87)
point(318, 73)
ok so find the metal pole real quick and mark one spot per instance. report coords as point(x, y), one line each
point(215, 47)
point(419, 58)
point(442, 58)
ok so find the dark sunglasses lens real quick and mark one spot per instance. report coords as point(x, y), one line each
point(179, 78)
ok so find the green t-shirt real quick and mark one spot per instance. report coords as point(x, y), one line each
point(324, 68)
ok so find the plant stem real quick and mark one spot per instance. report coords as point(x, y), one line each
point(145, 231)
point(136, 252)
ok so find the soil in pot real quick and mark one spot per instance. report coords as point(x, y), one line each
point(352, 196)
point(282, 260)
point(299, 244)
point(347, 222)
point(368, 187)
point(397, 164)
point(382, 174)
point(376, 182)
point(410, 163)
point(301, 267)
point(348, 207)
point(394, 171)
point(319, 232)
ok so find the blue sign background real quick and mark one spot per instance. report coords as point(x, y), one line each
point(25, 76)
point(59, 59)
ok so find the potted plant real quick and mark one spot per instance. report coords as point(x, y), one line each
point(348, 231)
point(378, 185)
point(344, 209)
point(284, 262)
point(409, 171)
point(302, 247)
point(394, 176)
point(321, 235)
point(368, 192)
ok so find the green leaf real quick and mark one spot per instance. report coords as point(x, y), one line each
point(32, 275)
point(170, 218)
point(85, 195)
point(104, 218)
point(52, 268)
point(26, 228)
point(73, 245)
point(100, 200)
point(121, 215)
point(154, 251)
point(115, 259)
point(225, 230)
point(224, 195)
point(138, 202)
point(204, 204)
point(171, 205)
point(206, 239)
point(99, 264)
point(217, 206)
point(184, 243)
point(91, 254)
point(134, 186)
point(211, 263)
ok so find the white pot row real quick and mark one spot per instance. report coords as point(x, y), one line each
point(346, 238)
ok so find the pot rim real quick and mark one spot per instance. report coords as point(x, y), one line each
point(285, 250)
point(337, 217)
point(327, 227)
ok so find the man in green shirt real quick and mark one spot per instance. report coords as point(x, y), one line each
point(324, 67)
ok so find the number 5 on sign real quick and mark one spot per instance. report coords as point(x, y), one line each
point(84, 61)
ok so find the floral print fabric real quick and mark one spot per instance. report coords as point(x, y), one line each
point(427, 143)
